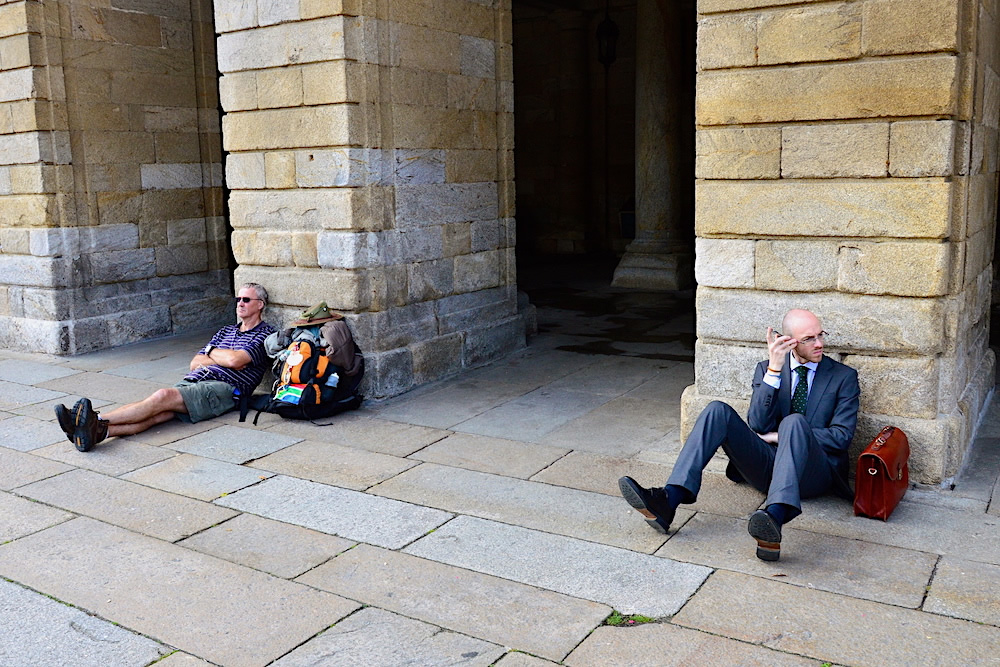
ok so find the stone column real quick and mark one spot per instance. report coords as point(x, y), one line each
point(660, 256)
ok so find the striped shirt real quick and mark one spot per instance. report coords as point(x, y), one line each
point(230, 337)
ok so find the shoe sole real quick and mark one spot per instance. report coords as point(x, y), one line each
point(81, 415)
point(65, 420)
point(762, 529)
point(633, 498)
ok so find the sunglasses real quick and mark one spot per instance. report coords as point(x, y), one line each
point(246, 299)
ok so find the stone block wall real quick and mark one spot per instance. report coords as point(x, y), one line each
point(111, 226)
point(370, 159)
point(847, 163)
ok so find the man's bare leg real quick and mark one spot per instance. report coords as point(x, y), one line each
point(157, 408)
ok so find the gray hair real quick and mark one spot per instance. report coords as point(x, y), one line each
point(258, 289)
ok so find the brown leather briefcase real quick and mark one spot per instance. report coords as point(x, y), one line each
point(883, 474)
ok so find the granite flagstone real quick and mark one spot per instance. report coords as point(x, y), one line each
point(620, 427)
point(196, 477)
point(491, 455)
point(630, 582)
point(45, 410)
point(103, 386)
point(378, 637)
point(448, 405)
point(531, 417)
point(26, 433)
point(172, 431)
point(333, 464)
point(39, 631)
point(114, 456)
point(374, 435)
point(212, 609)
point(23, 371)
point(20, 517)
point(121, 503)
point(555, 509)
point(496, 610)
point(965, 589)
point(20, 468)
point(611, 375)
point(519, 659)
point(233, 444)
point(350, 514)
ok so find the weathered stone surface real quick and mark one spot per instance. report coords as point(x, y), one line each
point(882, 208)
point(712, 6)
point(490, 455)
point(612, 576)
point(870, 89)
point(922, 148)
point(909, 26)
point(315, 41)
point(903, 269)
point(727, 370)
point(195, 477)
point(529, 419)
point(808, 33)
point(43, 632)
point(738, 153)
point(20, 517)
point(25, 433)
point(965, 589)
point(350, 514)
point(138, 508)
point(893, 386)
point(112, 457)
point(278, 548)
point(299, 127)
point(333, 464)
point(505, 612)
point(434, 204)
point(795, 619)
point(233, 444)
point(669, 645)
point(727, 41)
point(195, 602)
point(842, 150)
point(20, 469)
point(795, 266)
point(724, 262)
point(621, 427)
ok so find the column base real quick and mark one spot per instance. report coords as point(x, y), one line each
point(655, 267)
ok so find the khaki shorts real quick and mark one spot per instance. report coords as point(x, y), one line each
point(205, 399)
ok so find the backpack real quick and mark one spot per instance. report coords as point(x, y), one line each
point(309, 384)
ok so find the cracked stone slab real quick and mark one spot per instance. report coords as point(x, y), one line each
point(224, 613)
point(334, 464)
point(278, 548)
point(19, 468)
point(233, 444)
point(554, 509)
point(799, 620)
point(965, 589)
point(20, 517)
point(149, 511)
point(375, 435)
point(849, 567)
point(492, 455)
point(630, 582)
point(114, 456)
point(378, 637)
point(38, 631)
point(349, 514)
point(23, 371)
point(195, 476)
point(532, 416)
point(104, 386)
point(26, 434)
point(667, 645)
point(496, 610)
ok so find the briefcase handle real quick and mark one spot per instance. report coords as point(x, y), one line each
point(883, 437)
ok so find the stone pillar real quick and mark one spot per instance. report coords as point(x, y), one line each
point(370, 167)
point(660, 256)
point(861, 186)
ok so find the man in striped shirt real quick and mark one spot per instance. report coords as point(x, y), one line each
point(231, 364)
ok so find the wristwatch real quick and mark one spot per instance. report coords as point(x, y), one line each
point(208, 350)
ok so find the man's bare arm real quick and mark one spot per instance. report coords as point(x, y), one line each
point(235, 359)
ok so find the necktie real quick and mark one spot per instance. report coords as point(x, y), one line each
point(801, 391)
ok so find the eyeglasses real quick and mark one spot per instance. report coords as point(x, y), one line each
point(811, 340)
point(246, 299)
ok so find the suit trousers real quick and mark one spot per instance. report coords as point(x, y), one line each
point(797, 468)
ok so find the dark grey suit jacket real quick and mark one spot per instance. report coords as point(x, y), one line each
point(832, 408)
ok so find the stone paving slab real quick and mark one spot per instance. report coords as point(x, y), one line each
point(611, 375)
point(833, 628)
point(492, 455)
point(965, 589)
point(532, 416)
point(149, 511)
point(45, 410)
point(224, 613)
point(18, 469)
point(946, 500)
point(103, 386)
point(378, 637)
point(140, 352)
point(31, 372)
point(629, 582)
point(20, 517)
point(165, 370)
point(233, 444)
point(553, 509)
point(196, 477)
point(849, 567)
point(912, 525)
point(375, 435)
point(994, 507)
point(172, 431)
point(38, 631)
point(333, 464)
point(530, 368)
point(504, 612)
point(666, 645)
point(350, 514)
point(26, 433)
point(620, 427)
point(278, 548)
point(979, 470)
point(447, 406)
point(113, 457)
point(518, 659)
point(178, 659)
point(667, 385)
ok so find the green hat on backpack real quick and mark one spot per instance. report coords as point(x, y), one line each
point(318, 314)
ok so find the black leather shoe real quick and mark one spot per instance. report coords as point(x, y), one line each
point(65, 420)
point(767, 532)
point(88, 429)
point(658, 513)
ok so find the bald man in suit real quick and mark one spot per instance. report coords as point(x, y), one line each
point(794, 444)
